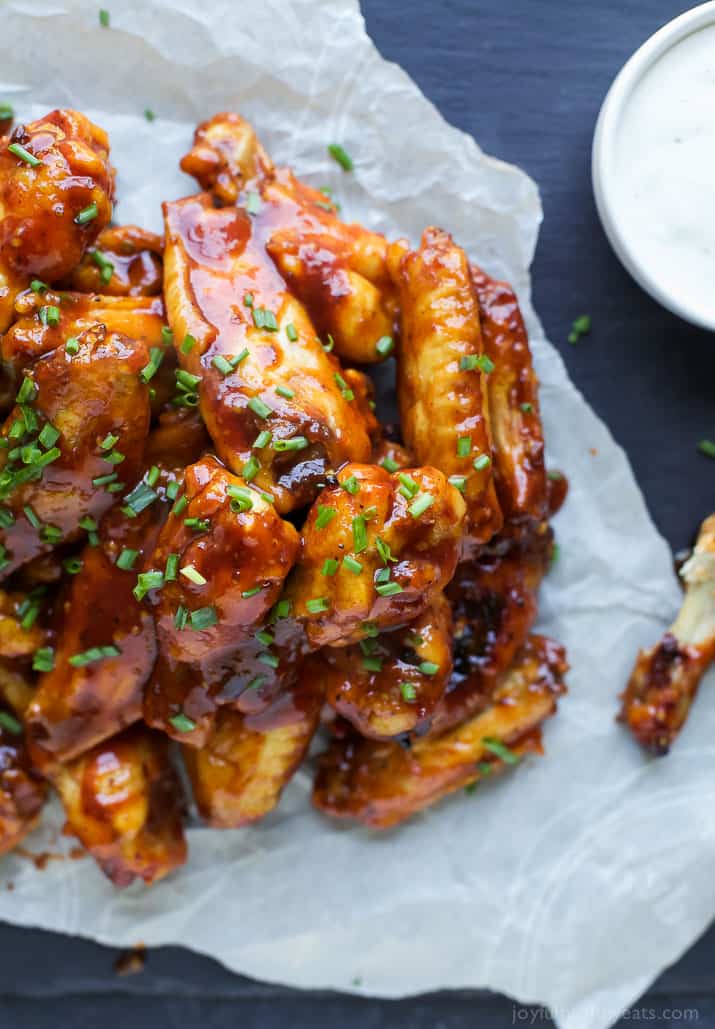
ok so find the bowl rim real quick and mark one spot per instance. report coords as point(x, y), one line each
point(603, 147)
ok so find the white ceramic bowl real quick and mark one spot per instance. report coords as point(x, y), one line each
point(604, 164)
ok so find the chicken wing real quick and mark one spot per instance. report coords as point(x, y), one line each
point(238, 775)
point(124, 803)
point(338, 271)
point(377, 548)
point(222, 558)
point(513, 392)
point(443, 371)
point(663, 684)
point(60, 469)
point(56, 192)
point(275, 403)
point(382, 783)
point(22, 792)
point(392, 682)
point(124, 261)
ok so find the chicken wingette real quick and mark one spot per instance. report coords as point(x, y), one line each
point(22, 792)
point(124, 261)
point(56, 192)
point(277, 406)
point(663, 684)
point(442, 374)
point(124, 803)
point(74, 441)
point(376, 549)
point(219, 567)
point(337, 270)
point(392, 681)
point(381, 783)
point(239, 773)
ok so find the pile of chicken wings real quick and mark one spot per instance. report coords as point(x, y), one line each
point(207, 536)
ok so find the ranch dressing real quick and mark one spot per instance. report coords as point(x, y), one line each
point(664, 181)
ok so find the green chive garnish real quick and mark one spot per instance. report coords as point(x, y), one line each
point(193, 575)
point(182, 722)
point(339, 154)
point(352, 564)
point(126, 559)
point(24, 155)
point(501, 750)
point(317, 604)
point(385, 345)
point(420, 504)
point(87, 214)
point(482, 462)
point(43, 660)
point(88, 657)
point(294, 443)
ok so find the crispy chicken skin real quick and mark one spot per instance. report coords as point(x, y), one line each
point(238, 775)
point(443, 371)
point(338, 271)
point(259, 366)
point(391, 545)
point(79, 399)
point(663, 684)
point(125, 261)
point(382, 783)
point(513, 393)
point(231, 563)
point(56, 192)
point(391, 683)
point(124, 803)
point(22, 793)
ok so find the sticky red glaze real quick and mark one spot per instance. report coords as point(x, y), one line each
point(136, 259)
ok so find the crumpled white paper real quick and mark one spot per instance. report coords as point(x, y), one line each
point(571, 882)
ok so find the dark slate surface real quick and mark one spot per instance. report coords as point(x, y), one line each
point(526, 77)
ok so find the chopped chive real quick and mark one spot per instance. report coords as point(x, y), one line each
point(126, 559)
point(167, 336)
point(114, 457)
point(459, 482)
point(291, 332)
point(24, 155)
point(385, 345)
point(248, 299)
point(103, 480)
point(269, 659)
point(88, 524)
point(27, 391)
point(88, 657)
point(149, 114)
point(408, 691)
point(10, 724)
point(705, 446)
point(555, 553)
point(527, 408)
point(264, 319)
point(141, 497)
point(409, 487)
point(171, 568)
point(281, 609)
point(87, 214)
point(156, 356)
point(47, 458)
point(339, 154)
point(382, 575)
point(370, 629)
point(105, 266)
point(43, 660)
point(294, 443)
point(389, 465)
point(193, 575)
point(7, 518)
point(352, 564)
point(185, 381)
point(351, 485)
point(327, 347)
point(414, 640)
point(259, 408)
point(181, 617)
point(330, 566)
point(384, 551)
point(222, 365)
point(172, 489)
point(265, 637)
point(482, 462)
point(182, 722)
point(235, 361)
point(262, 440)
point(253, 202)
point(38, 286)
point(325, 516)
point(283, 391)
point(108, 442)
point(104, 18)
point(420, 504)
point(181, 504)
point(198, 524)
point(256, 682)
point(429, 668)
point(254, 591)
point(147, 581)
point(32, 517)
point(469, 362)
point(317, 604)
point(72, 346)
point(580, 326)
point(241, 499)
point(203, 618)
point(372, 663)
point(501, 750)
point(359, 534)
point(388, 589)
point(7, 111)
point(49, 435)
point(464, 446)
point(250, 469)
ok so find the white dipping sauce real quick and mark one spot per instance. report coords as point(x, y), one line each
point(664, 181)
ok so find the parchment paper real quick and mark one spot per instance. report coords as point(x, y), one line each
point(571, 882)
